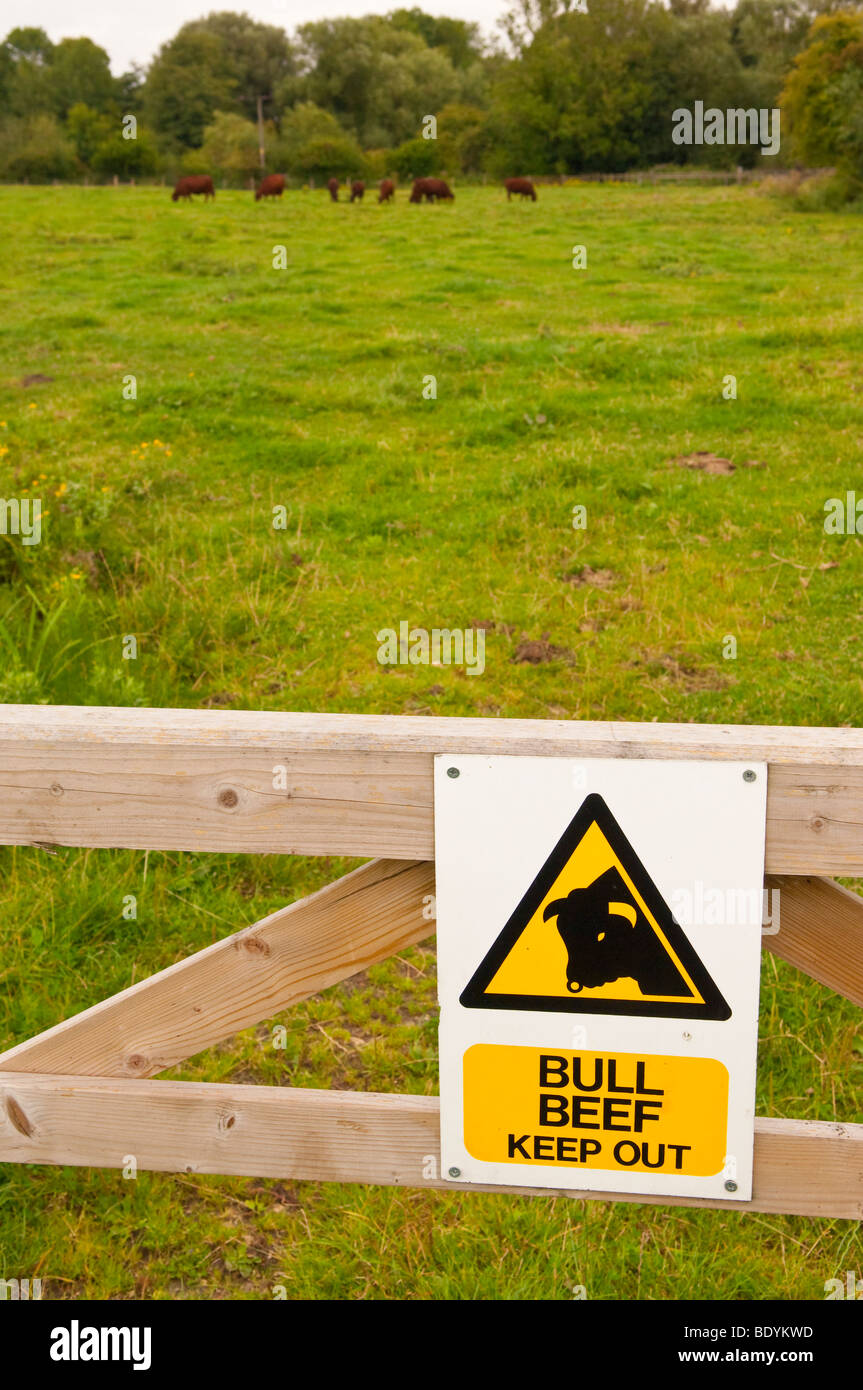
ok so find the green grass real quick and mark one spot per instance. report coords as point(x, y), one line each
point(303, 388)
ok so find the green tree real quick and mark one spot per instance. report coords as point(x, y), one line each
point(25, 71)
point(336, 157)
point(221, 63)
point(379, 81)
point(80, 71)
point(128, 159)
point(460, 40)
point(35, 149)
point(596, 90)
point(190, 78)
point(304, 123)
point(822, 100)
point(464, 137)
point(416, 159)
point(87, 129)
point(231, 146)
point(259, 56)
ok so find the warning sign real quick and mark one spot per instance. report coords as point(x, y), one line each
point(593, 934)
point(597, 1032)
point(592, 1110)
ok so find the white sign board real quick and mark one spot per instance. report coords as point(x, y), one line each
point(599, 945)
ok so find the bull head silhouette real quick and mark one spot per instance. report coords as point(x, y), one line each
point(607, 937)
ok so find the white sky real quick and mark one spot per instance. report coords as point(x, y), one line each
point(131, 32)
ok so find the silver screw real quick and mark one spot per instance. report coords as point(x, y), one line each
point(749, 775)
point(731, 1186)
point(452, 772)
point(455, 1172)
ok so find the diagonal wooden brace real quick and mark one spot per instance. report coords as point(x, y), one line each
point(351, 924)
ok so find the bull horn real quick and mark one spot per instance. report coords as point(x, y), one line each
point(554, 909)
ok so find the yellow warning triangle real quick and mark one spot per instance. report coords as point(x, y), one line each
point(593, 934)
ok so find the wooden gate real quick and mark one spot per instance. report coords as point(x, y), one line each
point(326, 784)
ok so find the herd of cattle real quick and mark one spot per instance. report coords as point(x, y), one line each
point(273, 186)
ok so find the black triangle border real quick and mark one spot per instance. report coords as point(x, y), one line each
point(594, 808)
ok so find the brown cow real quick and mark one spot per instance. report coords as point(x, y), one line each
point(522, 186)
point(194, 183)
point(273, 186)
point(358, 188)
point(430, 189)
point(333, 186)
point(387, 190)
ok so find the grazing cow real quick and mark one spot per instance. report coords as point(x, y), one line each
point(430, 189)
point(387, 190)
point(358, 188)
point(333, 186)
point(273, 186)
point(607, 937)
point(194, 183)
point(522, 186)
point(439, 188)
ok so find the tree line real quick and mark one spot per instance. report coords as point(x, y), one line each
point(569, 87)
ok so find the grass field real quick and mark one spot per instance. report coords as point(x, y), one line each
point(302, 388)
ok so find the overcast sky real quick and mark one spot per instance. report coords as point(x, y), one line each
point(130, 32)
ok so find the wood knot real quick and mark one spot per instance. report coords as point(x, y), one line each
point(817, 823)
point(137, 1062)
point(255, 945)
point(228, 797)
point(18, 1118)
point(55, 789)
point(227, 1121)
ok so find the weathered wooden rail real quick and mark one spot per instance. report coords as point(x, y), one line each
point(357, 785)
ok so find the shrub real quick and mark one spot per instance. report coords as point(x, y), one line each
point(35, 149)
point(417, 159)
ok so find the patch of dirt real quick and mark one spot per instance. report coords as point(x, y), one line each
point(489, 625)
point(534, 653)
point(626, 330)
point(705, 462)
point(90, 561)
point(690, 677)
point(597, 579)
point(221, 697)
point(35, 379)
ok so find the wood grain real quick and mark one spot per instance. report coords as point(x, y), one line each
point(252, 975)
point(362, 784)
point(801, 1167)
point(820, 931)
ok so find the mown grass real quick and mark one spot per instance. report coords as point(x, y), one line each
point(302, 388)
